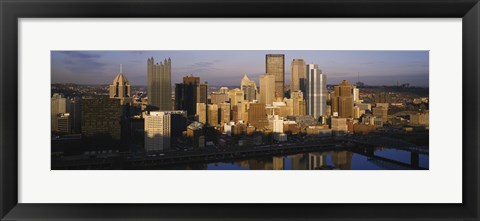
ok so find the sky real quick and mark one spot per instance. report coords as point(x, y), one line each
point(226, 68)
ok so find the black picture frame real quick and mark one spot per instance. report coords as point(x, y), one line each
point(12, 10)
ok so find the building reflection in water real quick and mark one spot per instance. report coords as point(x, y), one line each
point(336, 160)
point(342, 160)
point(304, 161)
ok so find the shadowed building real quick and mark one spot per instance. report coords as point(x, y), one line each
point(189, 93)
point(196, 134)
point(102, 115)
point(159, 88)
point(275, 65)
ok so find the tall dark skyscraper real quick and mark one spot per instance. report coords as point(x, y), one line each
point(275, 65)
point(159, 88)
point(189, 93)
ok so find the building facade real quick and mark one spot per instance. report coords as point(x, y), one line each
point(298, 72)
point(267, 89)
point(102, 115)
point(342, 100)
point(157, 131)
point(316, 91)
point(275, 65)
point(249, 89)
point(159, 84)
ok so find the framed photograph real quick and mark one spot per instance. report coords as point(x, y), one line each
point(318, 110)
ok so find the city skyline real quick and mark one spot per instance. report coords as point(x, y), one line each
point(226, 68)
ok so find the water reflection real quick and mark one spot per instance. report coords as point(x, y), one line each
point(331, 160)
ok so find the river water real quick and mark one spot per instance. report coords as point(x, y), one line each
point(331, 160)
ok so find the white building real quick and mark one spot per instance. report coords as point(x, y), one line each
point(157, 131)
point(275, 123)
point(316, 93)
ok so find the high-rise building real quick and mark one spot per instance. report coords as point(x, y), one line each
point(356, 94)
point(178, 123)
point(157, 131)
point(76, 114)
point(202, 93)
point(224, 110)
point(121, 89)
point(257, 115)
point(217, 97)
point(212, 114)
point(63, 123)
point(299, 76)
point(298, 103)
point(267, 89)
point(342, 100)
point(102, 115)
point(159, 88)
point(189, 93)
point(235, 96)
point(202, 112)
point(316, 91)
point(275, 65)
point(58, 105)
point(249, 89)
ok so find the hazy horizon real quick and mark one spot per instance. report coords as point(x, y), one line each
point(227, 67)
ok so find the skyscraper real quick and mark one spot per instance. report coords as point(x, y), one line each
point(342, 100)
point(202, 112)
point(235, 96)
point(224, 110)
point(157, 131)
point(298, 75)
point(249, 89)
point(202, 93)
point(267, 89)
point(189, 93)
point(275, 65)
point(316, 91)
point(120, 88)
point(212, 114)
point(298, 103)
point(159, 86)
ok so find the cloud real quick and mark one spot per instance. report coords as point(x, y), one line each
point(81, 55)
